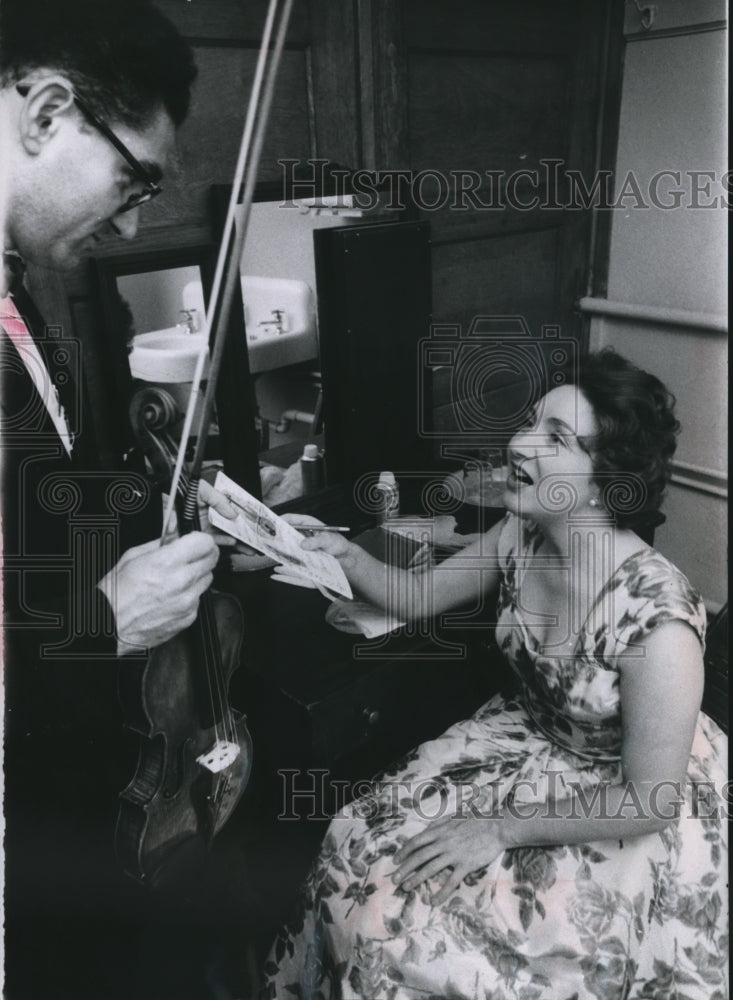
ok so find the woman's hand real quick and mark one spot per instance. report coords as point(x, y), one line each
point(303, 522)
point(332, 542)
point(462, 844)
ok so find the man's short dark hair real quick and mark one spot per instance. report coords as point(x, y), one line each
point(124, 57)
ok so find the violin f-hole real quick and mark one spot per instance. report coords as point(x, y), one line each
point(176, 771)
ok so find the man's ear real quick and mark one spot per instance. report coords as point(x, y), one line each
point(44, 108)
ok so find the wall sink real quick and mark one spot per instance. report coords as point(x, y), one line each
point(167, 355)
point(280, 316)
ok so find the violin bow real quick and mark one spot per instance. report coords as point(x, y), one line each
point(230, 254)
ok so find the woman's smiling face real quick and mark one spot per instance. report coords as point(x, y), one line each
point(548, 457)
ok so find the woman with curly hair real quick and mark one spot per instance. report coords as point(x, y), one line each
point(566, 842)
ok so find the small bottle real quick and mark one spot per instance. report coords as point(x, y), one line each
point(390, 496)
point(312, 469)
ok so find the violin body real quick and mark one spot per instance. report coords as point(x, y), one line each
point(174, 805)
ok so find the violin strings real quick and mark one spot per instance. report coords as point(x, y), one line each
point(210, 648)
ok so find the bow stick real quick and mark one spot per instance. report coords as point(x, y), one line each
point(230, 253)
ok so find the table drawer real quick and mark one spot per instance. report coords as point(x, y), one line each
point(361, 713)
point(391, 709)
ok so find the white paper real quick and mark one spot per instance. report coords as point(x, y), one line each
point(359, 617)
point(259, 528)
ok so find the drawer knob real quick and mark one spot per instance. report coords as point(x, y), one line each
point(371, 715)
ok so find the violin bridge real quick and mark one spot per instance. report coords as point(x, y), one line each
point(220, 756)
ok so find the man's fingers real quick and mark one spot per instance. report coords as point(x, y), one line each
point(224, 541)
point(242, 562)
point(247, 550)
point(198, 546)
point(211, 496)
point(141, 550)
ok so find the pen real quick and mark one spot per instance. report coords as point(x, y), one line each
point(308, 528)
point(260, 521)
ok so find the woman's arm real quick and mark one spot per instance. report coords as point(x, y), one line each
point(407, 595)
point(661, 691)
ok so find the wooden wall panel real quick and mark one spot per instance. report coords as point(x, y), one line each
point(209, 139)
point(477, 26)
point(229, 22)
point(512, 88)
point(334, 67)
point(504, 276)
point(480, 112)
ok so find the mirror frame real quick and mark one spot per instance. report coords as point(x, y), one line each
point(332, 179)
point(219, 197)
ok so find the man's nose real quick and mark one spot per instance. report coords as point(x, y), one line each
point(125, 224)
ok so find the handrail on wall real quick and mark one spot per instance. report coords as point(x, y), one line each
point(653, 314)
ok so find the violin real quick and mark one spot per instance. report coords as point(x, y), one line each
point(195, 754)
point(196, 751)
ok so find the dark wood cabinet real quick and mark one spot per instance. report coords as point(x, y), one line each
point(326, 707)
point(374, 305)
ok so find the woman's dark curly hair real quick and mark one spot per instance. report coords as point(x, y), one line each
point(636, 438)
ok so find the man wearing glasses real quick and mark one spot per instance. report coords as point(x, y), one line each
point(91, 94)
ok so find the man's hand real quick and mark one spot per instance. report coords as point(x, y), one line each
point(154, 589)
point(242, 558)
point(208, 496)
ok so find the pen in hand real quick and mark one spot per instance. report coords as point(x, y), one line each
point(309, 529)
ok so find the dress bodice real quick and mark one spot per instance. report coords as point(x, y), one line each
point(574, 699)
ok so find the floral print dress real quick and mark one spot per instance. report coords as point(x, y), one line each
point(643, 918)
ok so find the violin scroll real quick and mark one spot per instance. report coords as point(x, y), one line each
point(153, 414)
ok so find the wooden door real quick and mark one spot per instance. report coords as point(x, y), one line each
point(494, 110)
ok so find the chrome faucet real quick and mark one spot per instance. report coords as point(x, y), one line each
point(190, 319)
point(277, 322)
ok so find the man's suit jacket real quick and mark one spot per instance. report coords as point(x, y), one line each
point(65, 522)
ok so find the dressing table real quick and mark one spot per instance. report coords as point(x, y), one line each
point(321, 700)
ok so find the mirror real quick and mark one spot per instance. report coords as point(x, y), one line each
point(280, 304)
point(153, 306)
point(279, 283)
point(155, 298)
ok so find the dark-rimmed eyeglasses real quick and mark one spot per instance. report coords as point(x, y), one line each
point(150, 188)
